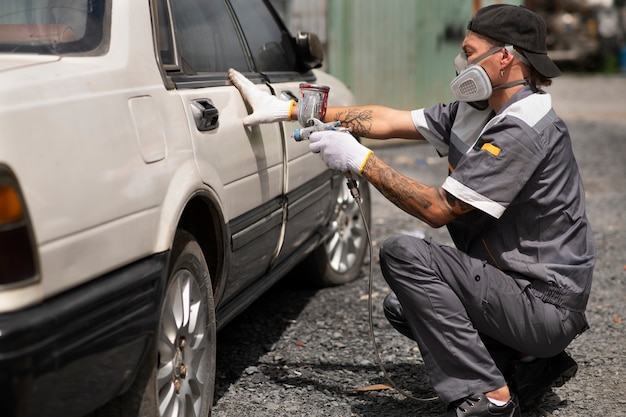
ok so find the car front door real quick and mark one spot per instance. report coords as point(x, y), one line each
point(306, 185)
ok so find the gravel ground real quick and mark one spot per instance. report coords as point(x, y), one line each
point(308, 352)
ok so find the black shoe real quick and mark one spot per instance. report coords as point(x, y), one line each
point(532, 380)
point(479, 405)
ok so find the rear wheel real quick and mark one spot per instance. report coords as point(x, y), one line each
point(185, 377)
point(182, 380)
point(177, 378)
point(340, 258)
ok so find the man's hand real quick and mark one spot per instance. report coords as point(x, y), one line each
point(266, 108)
point(340, 150)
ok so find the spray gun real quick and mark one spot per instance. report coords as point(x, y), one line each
point(311, 109)
point(316, 125)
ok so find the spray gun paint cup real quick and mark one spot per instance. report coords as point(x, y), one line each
point(312, 103)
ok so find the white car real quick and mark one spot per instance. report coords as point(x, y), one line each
point(137, 214)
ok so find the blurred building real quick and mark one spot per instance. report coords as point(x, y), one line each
point(397, 52)
point(400, 53)
point(583, 34)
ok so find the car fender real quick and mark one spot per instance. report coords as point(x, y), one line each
point(185, 184)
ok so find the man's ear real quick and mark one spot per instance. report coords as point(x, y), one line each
point(506, 59)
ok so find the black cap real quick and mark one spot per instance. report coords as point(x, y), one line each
point(520, 27)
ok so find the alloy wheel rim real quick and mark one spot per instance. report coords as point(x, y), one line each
point(183, 352)
point(348, 233)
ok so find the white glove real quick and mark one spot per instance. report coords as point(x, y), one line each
point(266, 108)
point(340, 150)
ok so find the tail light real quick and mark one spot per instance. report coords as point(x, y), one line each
point(19, 263)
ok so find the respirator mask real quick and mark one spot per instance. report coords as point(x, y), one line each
point(472, 84)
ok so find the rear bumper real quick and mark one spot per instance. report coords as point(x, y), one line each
point(80, 349)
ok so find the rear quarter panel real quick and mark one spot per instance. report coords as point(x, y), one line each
point(94, 141)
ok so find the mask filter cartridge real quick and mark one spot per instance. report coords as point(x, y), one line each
point(473, 84)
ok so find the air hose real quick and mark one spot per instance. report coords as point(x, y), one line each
point(354, 191)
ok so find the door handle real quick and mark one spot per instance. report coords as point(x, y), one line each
point(205, 114)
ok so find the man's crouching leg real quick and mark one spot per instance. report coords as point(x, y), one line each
point(455, 357)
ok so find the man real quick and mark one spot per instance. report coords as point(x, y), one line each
point(519, 278)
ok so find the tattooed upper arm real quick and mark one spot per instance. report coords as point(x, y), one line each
point(456, 206)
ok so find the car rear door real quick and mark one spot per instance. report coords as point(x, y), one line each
point(199, 42)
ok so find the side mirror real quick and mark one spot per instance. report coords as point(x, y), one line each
point(310, 49)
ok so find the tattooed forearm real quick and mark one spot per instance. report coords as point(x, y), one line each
point(411, 196)
point(432, 205)
point(402, 192)
point(359, 121)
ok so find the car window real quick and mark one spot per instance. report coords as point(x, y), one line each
point(206, 38)
point(51, 26)
point(270, 43)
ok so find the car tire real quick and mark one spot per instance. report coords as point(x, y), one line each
point(183, 379)
point(177, 377)
point(339, 260)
